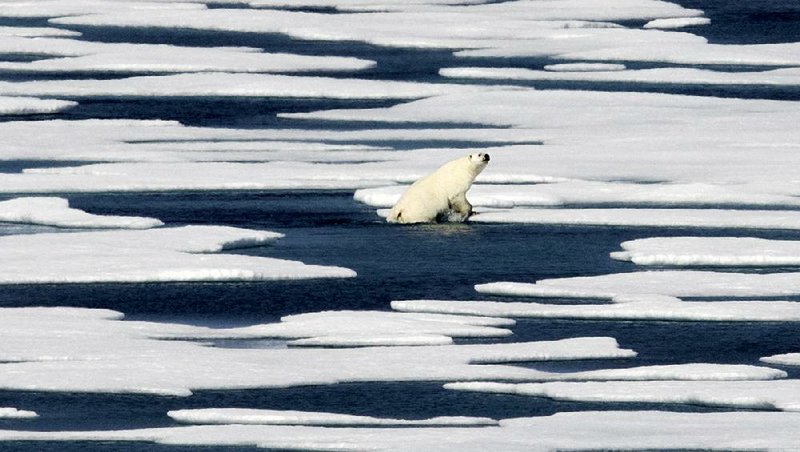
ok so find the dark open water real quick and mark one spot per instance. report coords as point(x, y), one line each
point(426, 261)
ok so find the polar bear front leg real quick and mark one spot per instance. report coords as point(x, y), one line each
point(460, 206)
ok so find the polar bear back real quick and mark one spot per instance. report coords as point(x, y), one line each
point(433, 194)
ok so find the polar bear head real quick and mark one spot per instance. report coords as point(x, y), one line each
point(478, 162)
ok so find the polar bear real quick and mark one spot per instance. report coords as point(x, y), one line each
point(440, 193)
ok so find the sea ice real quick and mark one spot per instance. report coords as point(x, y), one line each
point(634, 308)
point(34, 32)
point(360, 328)
point(678, 22)
point(786, 359)
point(32, 106)
point(230, 85)
point(710, 251)
point(585, 193)
point(764, 395)
point(87, 56)
point(14, 413)
point(94, 352)
point(682, 76)
point(571, 67)
point(275, 417)
point(588, 430)
point(673, 283)
point(676, 372)
point(669, 218)
point(164, 254)
point(56, 212)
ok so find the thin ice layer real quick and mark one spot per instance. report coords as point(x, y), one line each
point(164, 254)
point(764, 395)
point(56, 212)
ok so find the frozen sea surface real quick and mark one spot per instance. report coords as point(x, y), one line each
point(330, 228)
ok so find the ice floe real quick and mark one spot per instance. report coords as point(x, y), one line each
point(230, 85)
point(672, 283)
point(633, 308)
point(668, 218)
point(56, 212)
point(419, 25)
point(620, 136)
point(14, 413)
point(34, 32)
point(360, 328)
point(32, 106)
point(710, 251)
point(587, 193)
point(164, 254)
point(668, 76)
point(95, 352)
point(785, 359)
point(563, 67)
point(275, 417)
point(86, 56)
point(678, 22)
point(615, 430)
point(765, 395)
point(132, 140)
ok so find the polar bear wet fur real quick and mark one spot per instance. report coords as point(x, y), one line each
point(440, 193)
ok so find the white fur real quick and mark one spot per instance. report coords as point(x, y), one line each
point(441, 192)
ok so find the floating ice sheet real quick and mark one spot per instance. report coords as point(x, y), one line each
point(680, 76)
point(360, 328)
point(56, 212)
point(786, 359)
point(32, 106)
point(96, 353)
point(606, 193)
point(678, 22)
point(131, 140)
point(675, 372)
point(275, 417)
point(671, 283)
point(169, 254)
point(621, 136)
point(230, 85)
point(764, 395)
point(710, 251)
point(570, 67)
point(614, 430)
point(667, 218)
point(14, 413)
point(34, 32)
point(86, 56)
point(634, 308)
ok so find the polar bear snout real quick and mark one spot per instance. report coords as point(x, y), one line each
point(486, 157)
